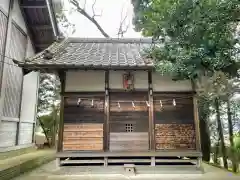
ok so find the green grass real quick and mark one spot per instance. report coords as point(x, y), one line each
point(18, 152)
point(15, 166)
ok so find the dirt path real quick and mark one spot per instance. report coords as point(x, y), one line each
point(50, 172)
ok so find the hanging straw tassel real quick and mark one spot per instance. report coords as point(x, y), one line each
point(133, 104)
point(174, 102)
point(148, 105)
point(79, 101)
point(161, 105)
point(119, 105)
point(92, 103)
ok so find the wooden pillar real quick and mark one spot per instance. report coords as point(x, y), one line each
point(151, 117)
point(62, 77)
point(106, 112)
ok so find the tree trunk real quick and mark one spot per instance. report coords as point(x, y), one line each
point(216, 152)
point(54, 126)
point(44, 132)
point(204, 131)
point(230, 131)
point(220, 131)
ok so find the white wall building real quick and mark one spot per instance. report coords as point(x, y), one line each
point(26, 27)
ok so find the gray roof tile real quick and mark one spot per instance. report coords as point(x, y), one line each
point(95, 52)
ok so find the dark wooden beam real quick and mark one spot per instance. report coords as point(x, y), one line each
point(151, 117)
point(160, 153)
point(62, 77)
point(25, 6)
point(44, 45)
point(106, 111)
point(81, 67)
point(124, 90)
point(34, 4)
point(93, 93)
point(41, 27)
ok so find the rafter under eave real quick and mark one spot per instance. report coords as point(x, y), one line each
point(41, 27)
point(33, 6)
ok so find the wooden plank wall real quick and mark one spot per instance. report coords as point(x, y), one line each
point(174, 125)
point(129, 141)
point(83, 136)
point(127, 114)
point(83, 123)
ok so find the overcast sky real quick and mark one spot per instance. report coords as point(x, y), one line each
point(110, 19)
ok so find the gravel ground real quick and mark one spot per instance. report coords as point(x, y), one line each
point(50, 172)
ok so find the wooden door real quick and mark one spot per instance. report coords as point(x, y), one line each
point(174, 121)
point(83, 123)
point(128, 122)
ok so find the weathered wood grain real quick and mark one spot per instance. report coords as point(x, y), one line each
point(131, 136)
point(84, 111)
point(175, 136)
point(124, 112)
point(128, 146)
point(86, 147)
point(86, 141)
point(129, 141)
point(182, 113)
point(129, 97)
point(83, 127)
point(83, 134)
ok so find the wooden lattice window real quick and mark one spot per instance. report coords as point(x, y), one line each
point(129, 127)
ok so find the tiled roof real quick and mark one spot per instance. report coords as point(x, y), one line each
point(95, 52)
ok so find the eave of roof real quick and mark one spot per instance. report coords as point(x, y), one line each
point(41, 27)
point(122, 53)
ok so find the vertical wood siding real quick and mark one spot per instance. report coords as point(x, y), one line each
point(8, 133)
point(3, 26)
point(17, 50)
point(126, 115)
point(25, 133)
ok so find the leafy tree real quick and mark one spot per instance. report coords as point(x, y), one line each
point(194, 39)
point(48, 104)
point(48, 92)
point(49, 124)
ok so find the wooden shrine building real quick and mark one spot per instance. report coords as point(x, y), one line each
point(115, 109)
